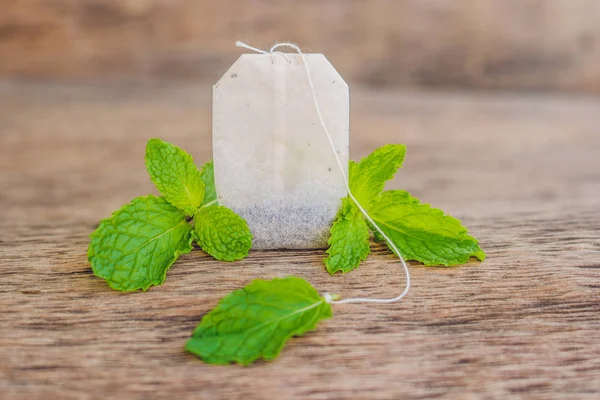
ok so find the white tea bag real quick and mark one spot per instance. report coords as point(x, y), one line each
point(273, 162)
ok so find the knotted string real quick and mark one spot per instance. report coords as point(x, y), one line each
point(328, 297)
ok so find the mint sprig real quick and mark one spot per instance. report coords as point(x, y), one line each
point(256, 321)
point(420, 232)
point(134, 248)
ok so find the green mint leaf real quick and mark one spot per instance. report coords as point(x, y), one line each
point(222, 233)
point(423, 233)
point(208, 177)
point(368, 177)
point(349, 239)
point(134, 248)
point(257, 320)
point(175, 175)
point(376, 235)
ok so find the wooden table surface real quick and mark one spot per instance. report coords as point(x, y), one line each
point(521, 171)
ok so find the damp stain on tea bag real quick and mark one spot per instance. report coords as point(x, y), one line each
point(273, 164)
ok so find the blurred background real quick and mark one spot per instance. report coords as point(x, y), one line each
point(496, 84)
point(546, 45)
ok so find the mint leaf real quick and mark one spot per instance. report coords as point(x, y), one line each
point(134, 248)
point(222, 233)
point(208, 177)
point(175, 175)
point(376, 235)
point(257, 320)
point(423, 233)
point(349, 239)
point(368, 177)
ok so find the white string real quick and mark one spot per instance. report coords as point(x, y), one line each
point(328, 297)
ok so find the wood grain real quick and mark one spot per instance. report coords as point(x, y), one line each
point(522, 172)
point(508, 44)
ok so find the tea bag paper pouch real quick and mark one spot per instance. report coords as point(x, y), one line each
point(274, 165)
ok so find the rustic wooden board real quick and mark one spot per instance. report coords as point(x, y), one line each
point(517, 44)
point(523, 172)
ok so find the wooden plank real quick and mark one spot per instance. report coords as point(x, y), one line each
point(522, 172)
point(510, 44)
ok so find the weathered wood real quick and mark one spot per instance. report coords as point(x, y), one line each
point(522, 172)
point(516, 44)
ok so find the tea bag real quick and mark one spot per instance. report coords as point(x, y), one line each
point(274, 166)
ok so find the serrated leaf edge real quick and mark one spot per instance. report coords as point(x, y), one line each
point(306, 328)
point(361, 259)
point(190, 209)
point(176, 253)
point(216, 257)
point(463, 234)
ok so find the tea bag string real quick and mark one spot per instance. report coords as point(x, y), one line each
point(328, 297)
